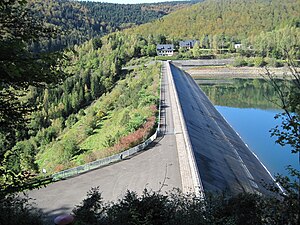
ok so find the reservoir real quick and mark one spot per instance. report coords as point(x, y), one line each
point(247, 105)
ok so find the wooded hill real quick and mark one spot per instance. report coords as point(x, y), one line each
point(82, 20)
point(265, 26)
point(238, 19)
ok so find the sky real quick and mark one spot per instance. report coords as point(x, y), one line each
point(132, 1)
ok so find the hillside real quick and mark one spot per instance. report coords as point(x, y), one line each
point(99, 110)
point(238, 19)
point(81, 20)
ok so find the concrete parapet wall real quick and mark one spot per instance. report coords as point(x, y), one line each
point(191, 181)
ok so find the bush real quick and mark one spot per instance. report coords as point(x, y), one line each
point(15, 210)
point(239, 62)
point(149, 208)
point(135, 122)
point(177, 208)
point(92, 210)
point(272, 62)
point(72, 119)
point(259, 62)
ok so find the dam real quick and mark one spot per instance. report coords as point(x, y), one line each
point(196, 151)
point(224, 162)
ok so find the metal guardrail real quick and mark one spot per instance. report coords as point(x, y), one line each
point(103, 162)
point(114, 158)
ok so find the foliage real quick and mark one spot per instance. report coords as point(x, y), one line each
point(80, 21)
point(150, 208)
point(92, 210)
point(288, 132)
point(18, 210)
point(135, 137)
point(239, 61)
point(265, 28)
point(278, 43)
point(20, 68)
point(217, 24)
point(177, 208)
point(115, 122)
point(257, 62)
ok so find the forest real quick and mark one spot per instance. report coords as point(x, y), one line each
point(63, 121)
point(263, 27)
point(80, 21)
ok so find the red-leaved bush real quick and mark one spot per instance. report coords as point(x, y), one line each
point(128, 141)
point(134, 138)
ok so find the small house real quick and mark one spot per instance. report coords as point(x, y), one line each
point(189, 44)
point(165, 49)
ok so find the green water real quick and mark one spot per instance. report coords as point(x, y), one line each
point(248, 107)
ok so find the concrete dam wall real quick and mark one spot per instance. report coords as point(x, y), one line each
point(223, 160)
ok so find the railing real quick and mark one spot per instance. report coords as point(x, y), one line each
point(114, 158)
point(103, 162)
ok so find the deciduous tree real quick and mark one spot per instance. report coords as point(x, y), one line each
point(20, 68)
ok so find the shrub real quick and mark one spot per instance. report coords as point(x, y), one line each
point(135, 122)
point(15, 210)
point(72, 119)
point(259, 62)
point(92, 210)
point(272, 62)
point(239, 61)
point(124, 117)
point(177, 208)
point(149, 208)
point(250, 62)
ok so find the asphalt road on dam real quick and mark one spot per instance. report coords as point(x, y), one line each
point(224, 162)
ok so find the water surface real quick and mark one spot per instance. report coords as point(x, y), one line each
point(247, 105)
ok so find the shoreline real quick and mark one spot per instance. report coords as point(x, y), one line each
point(227, 72)
point(223, 69)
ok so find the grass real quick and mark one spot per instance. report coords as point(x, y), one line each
point(110, 125)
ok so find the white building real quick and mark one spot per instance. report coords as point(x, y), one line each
point(165, 50)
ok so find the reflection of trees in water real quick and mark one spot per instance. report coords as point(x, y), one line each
point(241, 93)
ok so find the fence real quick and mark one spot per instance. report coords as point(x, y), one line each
point(111, 159)
point(103, 162)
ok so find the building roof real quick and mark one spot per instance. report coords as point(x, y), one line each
point(167, 47)
point(187, 43)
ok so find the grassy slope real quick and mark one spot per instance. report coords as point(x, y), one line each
point(119, 113)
